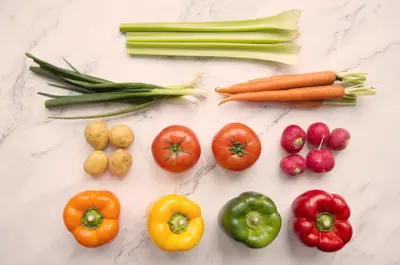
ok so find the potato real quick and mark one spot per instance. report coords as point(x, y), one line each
point(96, 134)
point(121, 136)
point(120, 162)
point(96, 163)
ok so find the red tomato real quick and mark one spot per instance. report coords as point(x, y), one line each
point(176, 148)
point(236, 147)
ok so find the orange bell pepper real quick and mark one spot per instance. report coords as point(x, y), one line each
point(93, 217)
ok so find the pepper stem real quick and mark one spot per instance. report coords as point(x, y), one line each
point(324, 222)
point(92, 218)
point(178, 223)
point(253, 220)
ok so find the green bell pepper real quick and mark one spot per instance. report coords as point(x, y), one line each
point(251, 219)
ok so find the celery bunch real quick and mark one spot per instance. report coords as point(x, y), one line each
point(268, 39)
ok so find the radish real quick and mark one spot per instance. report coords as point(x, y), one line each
point(339, 139)
point(293, 139)
point(318, 133)
point(320, 160)
point(293, 164)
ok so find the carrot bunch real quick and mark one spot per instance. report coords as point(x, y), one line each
point(309, 90)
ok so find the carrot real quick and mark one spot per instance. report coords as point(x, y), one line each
point(225, 94)
point(305, 103)
point(282, 82)
point(252, 81)
point(304, 93)
point(263, 79)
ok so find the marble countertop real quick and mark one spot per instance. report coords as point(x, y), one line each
point(41, 160)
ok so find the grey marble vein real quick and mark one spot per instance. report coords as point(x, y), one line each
point(281, 115)
point(40, 153)
point(351, 16)
point(130, 246)
point(368, 58)
point(190, 186)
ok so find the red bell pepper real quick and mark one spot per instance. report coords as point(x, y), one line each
point(320, 220)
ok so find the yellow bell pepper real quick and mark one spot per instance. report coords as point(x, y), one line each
point(175, 223)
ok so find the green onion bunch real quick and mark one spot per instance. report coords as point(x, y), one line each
point(93, 89)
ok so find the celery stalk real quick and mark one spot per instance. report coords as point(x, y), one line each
point(273, 36)
point(287, 20)
point(286, 53)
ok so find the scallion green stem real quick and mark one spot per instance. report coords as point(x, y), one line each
point(108, 114)
point(46, 73)
point(115, 96)
point(72, 67)
point(65, 72)
point(73, 88)
point(111, 86)
point(50, 95)
point(286, 53)
point(83, 99)
point(287, 20)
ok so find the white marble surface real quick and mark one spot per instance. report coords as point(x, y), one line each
point(41, 160)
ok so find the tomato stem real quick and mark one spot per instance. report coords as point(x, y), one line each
point(238, 148)
point(175, 149)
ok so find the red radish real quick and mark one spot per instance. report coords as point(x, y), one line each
point(293, 139)
point(293, 164)
point(318, 133)
point(320, 160)
point(339, 139)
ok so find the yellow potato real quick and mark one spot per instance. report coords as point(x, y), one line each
point(120, 162)
point(96, 134)
point(96, 163)
point(121, 136)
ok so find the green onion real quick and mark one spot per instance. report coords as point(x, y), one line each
point(50, 95)
point(66, 73)
point(108, 114)
point(103, 86)
point(287, 20)
point(98, 90)
point(112, 96)
point(286, 53)
point(273, 36)
point(73, 88)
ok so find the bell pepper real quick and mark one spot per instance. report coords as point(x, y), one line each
point(320, 220)
point(175, 223)
point(252, 219)
point(92, 217)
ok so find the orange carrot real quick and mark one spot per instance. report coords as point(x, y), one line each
point(282, 82)
point(225, 94)
point(304, 93)
point(305, 103)
point(263, 79)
